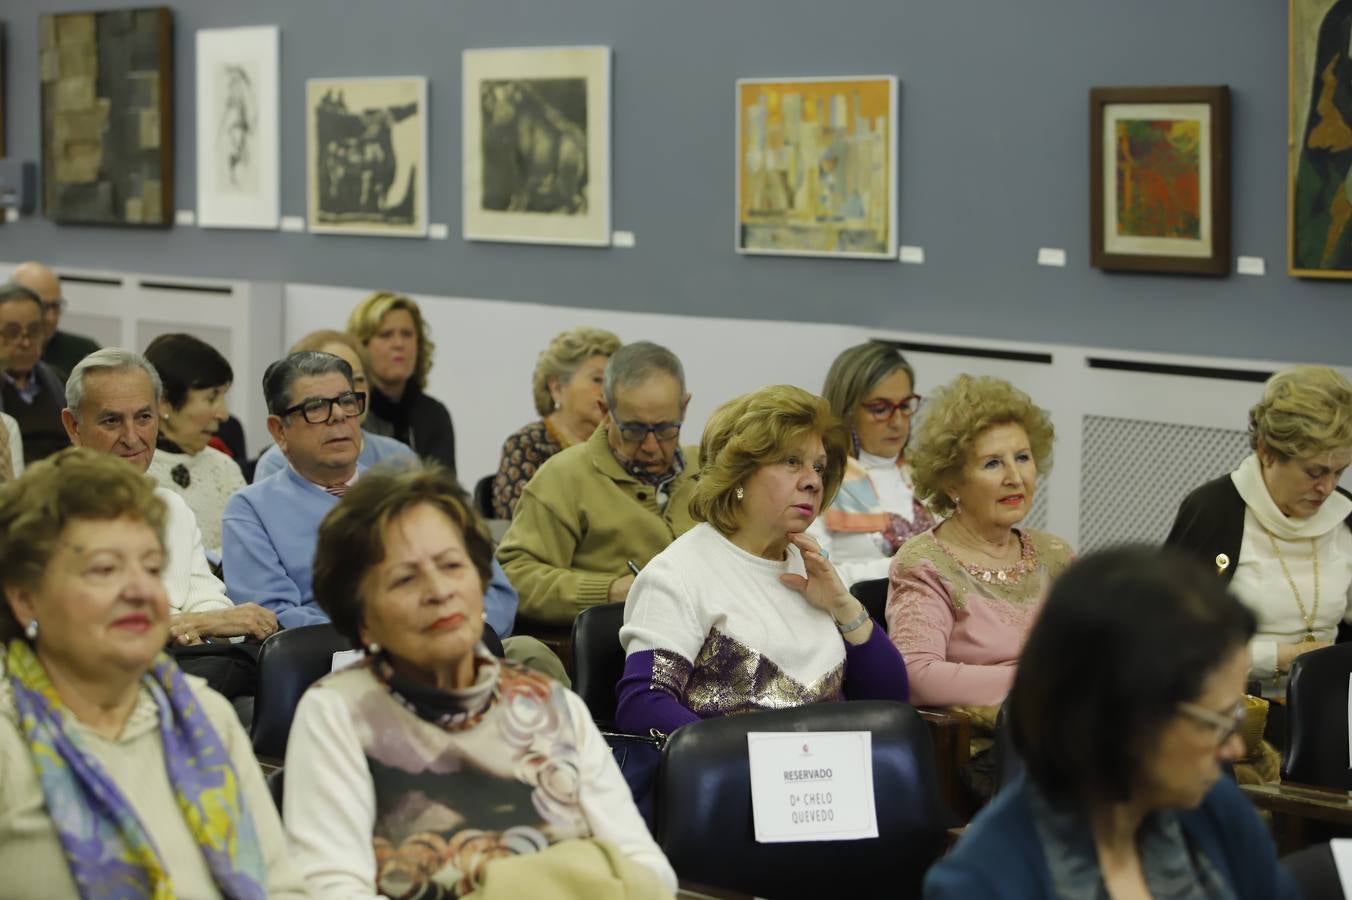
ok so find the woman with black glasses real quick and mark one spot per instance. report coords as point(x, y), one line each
point(1127, 704)
point(871, 388)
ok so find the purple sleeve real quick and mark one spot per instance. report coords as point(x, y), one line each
point(874, 669)
point(642, 704)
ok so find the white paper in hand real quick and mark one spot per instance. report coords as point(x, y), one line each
point(812, 786)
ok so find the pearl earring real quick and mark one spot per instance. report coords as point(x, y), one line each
point(31, 631)
point(373, 649)
point(739, 492)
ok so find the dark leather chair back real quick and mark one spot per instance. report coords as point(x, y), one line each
point(1315, 872)
point(483, 497)
point(873, 594)
point(289, 662)
point(598, 659)
point(1316, 719)
point(704, 820)
point(276, 780)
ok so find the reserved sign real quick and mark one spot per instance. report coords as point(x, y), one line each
point(812, 785)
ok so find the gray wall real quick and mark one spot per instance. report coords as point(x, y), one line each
point(994, 162)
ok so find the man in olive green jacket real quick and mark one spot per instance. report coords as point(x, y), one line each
point(617, 499)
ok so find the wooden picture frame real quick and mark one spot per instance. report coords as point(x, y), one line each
point(1319, 139)
point(107, 81)
point(1159, 179)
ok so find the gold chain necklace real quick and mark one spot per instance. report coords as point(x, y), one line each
point(1300, 604)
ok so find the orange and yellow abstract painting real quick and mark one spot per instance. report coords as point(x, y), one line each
point(816, 166)
point(1159, 178)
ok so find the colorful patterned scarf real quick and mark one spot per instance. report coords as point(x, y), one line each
point(108, 849)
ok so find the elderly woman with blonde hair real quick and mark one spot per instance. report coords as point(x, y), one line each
point(566, 386)
point(1278, 528)
point(964, 594)
point(744, 612)
point(121, 775)
point(399, 351)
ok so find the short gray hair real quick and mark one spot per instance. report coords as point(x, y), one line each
point(109, 359)
point(635, 363)
point(285, 372)
point(12, 290)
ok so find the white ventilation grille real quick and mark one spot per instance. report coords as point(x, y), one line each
point(1133, 475)
point(1037, 513)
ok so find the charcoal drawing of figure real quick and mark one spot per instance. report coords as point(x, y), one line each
point(237, 133)
point(360, 173)
point(534, 136)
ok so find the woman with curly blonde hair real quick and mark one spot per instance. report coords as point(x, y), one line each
point(566, 386)
point(1278, 527)
point(399, 348)
point(744, 612)
point(964, 594)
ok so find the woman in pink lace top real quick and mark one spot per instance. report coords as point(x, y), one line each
point(963, 595)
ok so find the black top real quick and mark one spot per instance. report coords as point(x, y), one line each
point(416, 419)
point(64, 350)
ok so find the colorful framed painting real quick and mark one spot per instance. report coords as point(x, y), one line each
point(1319, 139)
point(108, 117)
point(1159, 183)
point(817, 166)
point(238, 144)
point(536, 158)
point(367, 154)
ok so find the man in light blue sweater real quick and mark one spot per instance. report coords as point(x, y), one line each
point(270, 527)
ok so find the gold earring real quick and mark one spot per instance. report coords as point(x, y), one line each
point(739, 492)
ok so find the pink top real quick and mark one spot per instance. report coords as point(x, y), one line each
point(960, 629)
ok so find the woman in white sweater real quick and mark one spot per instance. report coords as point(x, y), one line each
point(119, 773)
point(871, 388)
point(428, 766)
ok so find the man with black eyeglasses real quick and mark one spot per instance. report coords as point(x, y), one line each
point(30, 390)
point(60, 349)
point(596, 512)
point(269, 529)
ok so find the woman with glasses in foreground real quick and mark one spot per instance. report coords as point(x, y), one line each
point(1127, 703)
point(871, 387)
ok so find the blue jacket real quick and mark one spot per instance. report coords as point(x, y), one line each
point(1000, 856)
point(268, 536)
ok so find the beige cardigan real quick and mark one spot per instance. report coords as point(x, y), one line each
point(31, 858)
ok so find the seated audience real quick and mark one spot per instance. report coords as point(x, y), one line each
point(743, 611)
point(567, 386)
point(617, 499)
point(60, 349)
point(964, 594)
point(399, 350)
point(195, 378)
point(1127, 704)
point(871, 387)
point(1278, 527)
point(122, 776)
point(375, 448)
point(270, 526)
point(11, 448)
point(113, 406)
point(30, 390)
point(411, 772)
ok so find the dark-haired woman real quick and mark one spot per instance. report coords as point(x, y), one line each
point(1128, 701)
point(196, 378)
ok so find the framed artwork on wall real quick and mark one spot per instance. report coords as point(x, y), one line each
point(1319, 139)
point(817, 166)
point(536, 160)
point(1159, 183)
point(2, 89)
point(367, 155)
point(237, 127)
point(108, 117)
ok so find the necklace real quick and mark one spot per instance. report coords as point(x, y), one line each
point(1026, 563)
point(1307, 618)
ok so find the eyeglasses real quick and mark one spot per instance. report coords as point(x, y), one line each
point(637, 432)
point(318, 410)
point(14, 332)
point(57, 305)
point(881, 410)
point(1226, 726)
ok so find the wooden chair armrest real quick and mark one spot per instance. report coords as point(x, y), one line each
point(951, 732)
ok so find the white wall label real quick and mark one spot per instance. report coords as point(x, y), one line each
point(185, 217)
point(913, 255)
point(11, 214)
point(1051, 256)
point(1250, 265)
point(293, 223)
point(438, 231)
point(812, 785)
point(622, 239)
